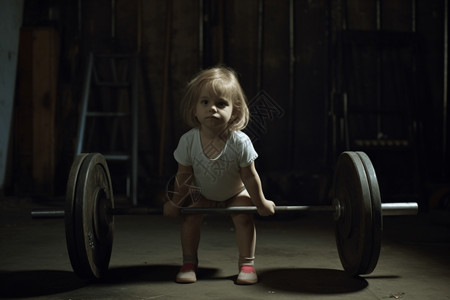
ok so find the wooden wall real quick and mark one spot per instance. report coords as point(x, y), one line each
point(291, 56)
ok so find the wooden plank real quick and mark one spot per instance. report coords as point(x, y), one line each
point(34, 148)
point(44, 86)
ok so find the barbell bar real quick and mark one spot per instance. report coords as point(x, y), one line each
point(388, 209)
point(357, 209)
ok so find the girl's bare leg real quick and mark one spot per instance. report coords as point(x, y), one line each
point(245, 230)
point(246, 240)
point(190, 237)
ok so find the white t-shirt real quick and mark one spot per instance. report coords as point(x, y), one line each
point(218, 178)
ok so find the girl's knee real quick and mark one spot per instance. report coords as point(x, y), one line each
point(245, 220)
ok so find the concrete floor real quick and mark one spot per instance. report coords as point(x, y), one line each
point(296, 258)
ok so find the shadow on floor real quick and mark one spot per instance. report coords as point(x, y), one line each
point(312, 281)
point(150, 273)
point(21, 284)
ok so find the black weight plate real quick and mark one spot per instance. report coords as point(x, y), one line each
point(93, 224)
point(354, 227)
point(69, 210)
point(377, 219)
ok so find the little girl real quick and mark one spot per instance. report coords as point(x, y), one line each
point(216, 168)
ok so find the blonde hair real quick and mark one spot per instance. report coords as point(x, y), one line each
point(223, 83)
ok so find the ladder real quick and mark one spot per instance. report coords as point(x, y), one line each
point(110, 97)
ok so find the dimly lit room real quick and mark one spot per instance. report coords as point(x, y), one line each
point(198, 149)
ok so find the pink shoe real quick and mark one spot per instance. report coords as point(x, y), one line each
point(187, 274)
point(247, 275)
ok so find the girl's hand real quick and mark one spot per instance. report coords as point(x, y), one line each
point(267, 208)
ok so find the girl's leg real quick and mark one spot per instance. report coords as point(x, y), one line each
point(190, 230)
point(246, 240)
point(190, 237)
point(245, 237)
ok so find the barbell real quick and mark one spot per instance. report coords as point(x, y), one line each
point(356, 207)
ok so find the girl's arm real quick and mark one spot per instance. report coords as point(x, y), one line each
point(252, 182)
point(177, 197)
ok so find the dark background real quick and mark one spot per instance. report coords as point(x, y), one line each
point(333, 75)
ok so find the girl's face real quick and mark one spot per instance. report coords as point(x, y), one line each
point(213, 112)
